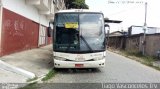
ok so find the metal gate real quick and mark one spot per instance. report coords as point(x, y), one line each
point(42, 36)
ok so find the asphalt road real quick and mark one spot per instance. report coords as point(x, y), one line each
point(118, 69)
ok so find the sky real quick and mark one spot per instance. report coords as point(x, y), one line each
point(131, 12)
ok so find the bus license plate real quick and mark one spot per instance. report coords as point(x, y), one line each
point(78, 65)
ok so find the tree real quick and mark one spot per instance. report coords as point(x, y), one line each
point(77, 4)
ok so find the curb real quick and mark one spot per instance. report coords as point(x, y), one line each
point(17, 70)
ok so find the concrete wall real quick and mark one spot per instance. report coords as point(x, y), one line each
point(20, 26)
point(134, 43)
point(18, 33)
point(0, 25)
point(21, 22)
point(117, 42)
point(152, 44)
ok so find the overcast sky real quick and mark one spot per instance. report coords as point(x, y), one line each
point(131, 12)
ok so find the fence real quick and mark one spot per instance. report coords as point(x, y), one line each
point(134, 43)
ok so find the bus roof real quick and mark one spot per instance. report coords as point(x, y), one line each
point(78, 10)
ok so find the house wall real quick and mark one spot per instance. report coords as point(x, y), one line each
point(20, 26)
point(29, 11)
point(18, 33)
point(0, 25)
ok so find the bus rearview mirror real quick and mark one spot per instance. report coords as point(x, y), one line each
point(106, 25)
point(49, 32)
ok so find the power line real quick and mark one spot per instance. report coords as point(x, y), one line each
point(123, 11)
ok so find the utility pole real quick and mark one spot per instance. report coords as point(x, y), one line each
point(108, 32)
point(145, 28)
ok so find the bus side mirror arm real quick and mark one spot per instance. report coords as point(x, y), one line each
point(49, 30)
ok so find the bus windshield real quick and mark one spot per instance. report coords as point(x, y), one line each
point(79, 32)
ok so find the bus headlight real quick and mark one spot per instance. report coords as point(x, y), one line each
point(98, 58)
point(60, 58)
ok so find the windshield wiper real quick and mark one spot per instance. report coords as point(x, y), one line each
point(69, 43)
point(86, 43)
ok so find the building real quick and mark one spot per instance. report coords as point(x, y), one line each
point(139, 29)
point(135, 42)
point(23, 23)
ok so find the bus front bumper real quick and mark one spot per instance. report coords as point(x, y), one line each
point(73, 64)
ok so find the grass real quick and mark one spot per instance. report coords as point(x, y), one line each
point(146, 60)
point(34, 85)
point(50, 74)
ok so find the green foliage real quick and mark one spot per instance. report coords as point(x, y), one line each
point(48, 76)
point(76, 4)
point(140, 55)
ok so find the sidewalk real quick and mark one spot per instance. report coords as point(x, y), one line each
point(36, 61)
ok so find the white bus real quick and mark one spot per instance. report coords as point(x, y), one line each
point(79, 39)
